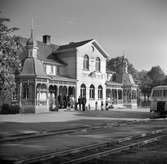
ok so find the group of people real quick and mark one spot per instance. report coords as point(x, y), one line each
point(82, 103)
point(65, 101)
point(69, 102)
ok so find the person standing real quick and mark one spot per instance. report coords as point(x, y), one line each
point(65, 101)
point(80, 102)
point(83, 103)
point(60, 101)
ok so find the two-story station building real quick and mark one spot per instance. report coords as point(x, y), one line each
point(52, 73)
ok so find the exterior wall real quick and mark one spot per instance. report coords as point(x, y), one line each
point(83, 76)
point(70, 59)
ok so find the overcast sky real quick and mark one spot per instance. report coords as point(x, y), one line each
point(137, 27)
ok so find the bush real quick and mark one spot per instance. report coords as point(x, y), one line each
point(9, 109)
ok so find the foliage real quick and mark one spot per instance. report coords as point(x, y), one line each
point(146, 80)
point(156, 75)
point(116, 65)
point(145, 83)
point(9, 61)
point(149, 79)
point(10, 109)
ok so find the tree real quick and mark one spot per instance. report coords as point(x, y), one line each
point(149, 79)
point(116, 65)
point(145, 84)
point(156, 75)
point(9, 61)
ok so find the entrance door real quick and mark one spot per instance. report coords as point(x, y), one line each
point(161, 107)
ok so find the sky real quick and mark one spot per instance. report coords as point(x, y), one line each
point(134, 28)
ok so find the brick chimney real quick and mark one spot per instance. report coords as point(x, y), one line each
point(47, 39)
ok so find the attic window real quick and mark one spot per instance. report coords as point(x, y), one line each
point(86, 62)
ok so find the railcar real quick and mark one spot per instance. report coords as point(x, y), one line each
point(158, 106)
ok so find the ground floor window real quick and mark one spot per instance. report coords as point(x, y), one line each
point(25, 90)
point(119, 94)
point(41, 94)
point(100, 92)
point(134, 94)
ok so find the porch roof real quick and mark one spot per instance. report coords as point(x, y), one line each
point(61, 78)
point(112, 84)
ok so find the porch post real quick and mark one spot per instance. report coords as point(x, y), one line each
point(117, 94)
point(35, 93)
point(20, 91)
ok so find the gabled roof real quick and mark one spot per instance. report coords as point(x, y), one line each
point(100, 49)
point(73, 45)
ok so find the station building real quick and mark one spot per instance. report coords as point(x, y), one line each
point(51, 72)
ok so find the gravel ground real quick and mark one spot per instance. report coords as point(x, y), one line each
point(155, 153)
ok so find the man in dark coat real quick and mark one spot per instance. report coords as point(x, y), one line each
point(60, 101)
point(83, 103)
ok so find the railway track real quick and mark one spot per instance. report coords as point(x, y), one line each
point(84, 128)
point(90, 152)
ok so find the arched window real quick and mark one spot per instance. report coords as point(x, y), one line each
point(25, 91)
point(134, 94)
point(42, 94)
point(83, 90)
point(98, 64)
point(119, 94)
point(100, 92)
point(86, 62)
point(92, 92)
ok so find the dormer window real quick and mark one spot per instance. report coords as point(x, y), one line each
point(50, 69)
point(86, 62)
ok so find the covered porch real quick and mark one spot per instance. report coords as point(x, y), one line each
point(114, 93)
point(44, 95)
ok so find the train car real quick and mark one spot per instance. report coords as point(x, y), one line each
point(158, 106)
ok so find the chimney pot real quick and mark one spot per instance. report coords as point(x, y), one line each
point(47, 39)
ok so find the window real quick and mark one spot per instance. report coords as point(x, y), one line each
point(98, 64)
point(41, 94)
point(134, 94)
point(52, 69)
point(119, 94)
point(100, 92)
point(157, 93)
point(55, 70)
point(25, 92)
point(83, 90)
point(92, 92)
point(165, 93)
point(48, 69)
point(86, 62)
point(14, 95)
